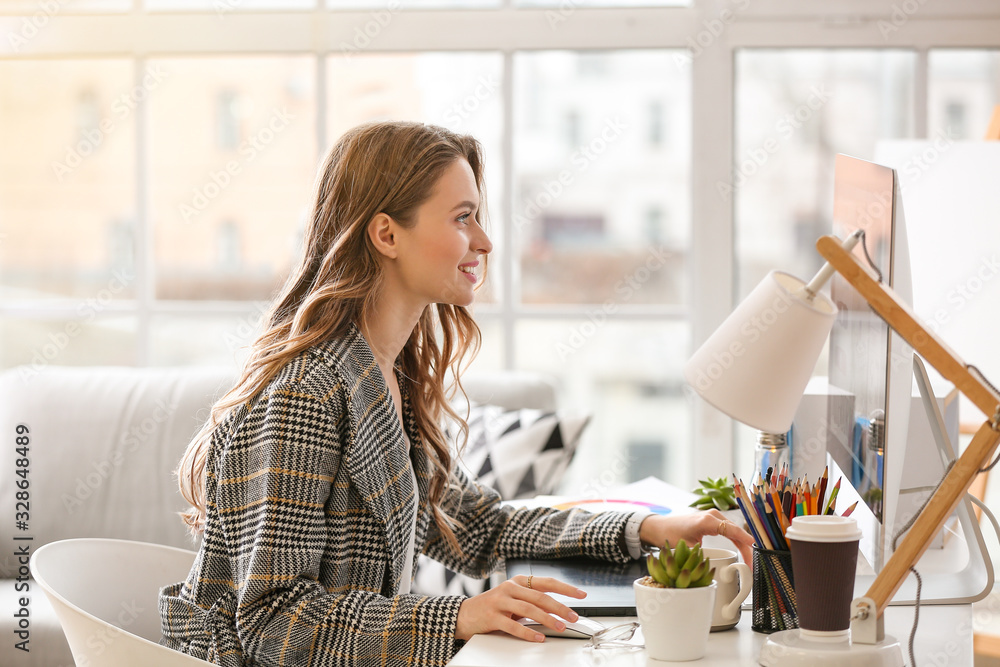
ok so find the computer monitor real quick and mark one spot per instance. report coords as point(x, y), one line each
point(877, 366)
point(866, 358)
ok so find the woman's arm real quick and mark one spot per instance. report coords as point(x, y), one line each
point(490, 531)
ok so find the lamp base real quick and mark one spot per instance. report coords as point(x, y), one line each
point(791, 648)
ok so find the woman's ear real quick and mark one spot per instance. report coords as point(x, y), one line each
point(381, 232)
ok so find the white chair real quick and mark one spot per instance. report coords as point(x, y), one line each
point(105, 595)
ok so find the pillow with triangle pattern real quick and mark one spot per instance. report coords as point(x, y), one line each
point(521, 454)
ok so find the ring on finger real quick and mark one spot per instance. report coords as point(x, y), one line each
point(722, 528)
point(529, 581)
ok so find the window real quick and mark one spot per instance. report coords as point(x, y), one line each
point(798, 109)
point(67, 177)
point(230, 247)
point(647, 161)
point(228, 113)
point(963, 89)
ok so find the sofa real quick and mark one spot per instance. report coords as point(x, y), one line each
point(101, 445)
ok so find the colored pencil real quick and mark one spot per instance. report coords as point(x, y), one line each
point(821, 491)
point(768, 523)
point(850, 509)
point(750, 525)
point(751, 515)
point(765, 540)
point(831, 502)
point(779, 538)
point(806, 501)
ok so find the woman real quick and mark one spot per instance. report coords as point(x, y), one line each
point(324, 472)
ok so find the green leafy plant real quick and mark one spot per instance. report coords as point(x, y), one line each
point(680, 567)
point(717, 493)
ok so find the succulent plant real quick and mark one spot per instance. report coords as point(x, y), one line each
point(717, 493)
point(680, 567)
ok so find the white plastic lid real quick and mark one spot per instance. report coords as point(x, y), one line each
point(823, 528)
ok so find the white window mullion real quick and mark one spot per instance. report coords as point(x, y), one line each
point(322, 101)
point(509, 259)
point(145, 256)
point(920, 99)
point(712, 235)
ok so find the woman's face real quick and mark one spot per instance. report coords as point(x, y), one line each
point(439, 257)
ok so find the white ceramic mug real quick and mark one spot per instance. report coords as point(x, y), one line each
point(734, 580)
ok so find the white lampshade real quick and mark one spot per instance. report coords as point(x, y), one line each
point(756, 365)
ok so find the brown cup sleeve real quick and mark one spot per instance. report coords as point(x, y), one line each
point(824, 583)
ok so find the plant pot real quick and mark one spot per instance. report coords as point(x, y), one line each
point(675, 621)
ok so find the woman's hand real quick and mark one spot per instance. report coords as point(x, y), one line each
point(519, 597)
point(655, 530)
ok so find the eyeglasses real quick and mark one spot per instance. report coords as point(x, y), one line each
point(617, 636)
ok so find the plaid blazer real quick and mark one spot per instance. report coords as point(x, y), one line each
point(309, 509)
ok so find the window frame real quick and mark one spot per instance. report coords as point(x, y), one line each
point(732, 25)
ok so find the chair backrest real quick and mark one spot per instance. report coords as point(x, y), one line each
point(105, 595)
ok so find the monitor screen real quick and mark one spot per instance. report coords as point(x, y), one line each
point(863, 351)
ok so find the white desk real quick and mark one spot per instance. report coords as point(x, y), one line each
point(944, 637)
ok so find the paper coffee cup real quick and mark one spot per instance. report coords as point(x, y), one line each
point(824, 559)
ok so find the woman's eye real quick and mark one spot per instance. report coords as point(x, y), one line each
point(464, 218)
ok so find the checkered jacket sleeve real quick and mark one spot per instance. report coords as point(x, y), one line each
point(272, 486)
point(489, 532)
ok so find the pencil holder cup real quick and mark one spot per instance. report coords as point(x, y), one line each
point(774, 605)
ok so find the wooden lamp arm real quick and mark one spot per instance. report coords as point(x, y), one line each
point(903, 321)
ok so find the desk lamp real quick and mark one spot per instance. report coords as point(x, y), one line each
point(755, 368)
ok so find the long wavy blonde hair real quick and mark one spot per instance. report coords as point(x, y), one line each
point(386, 168)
